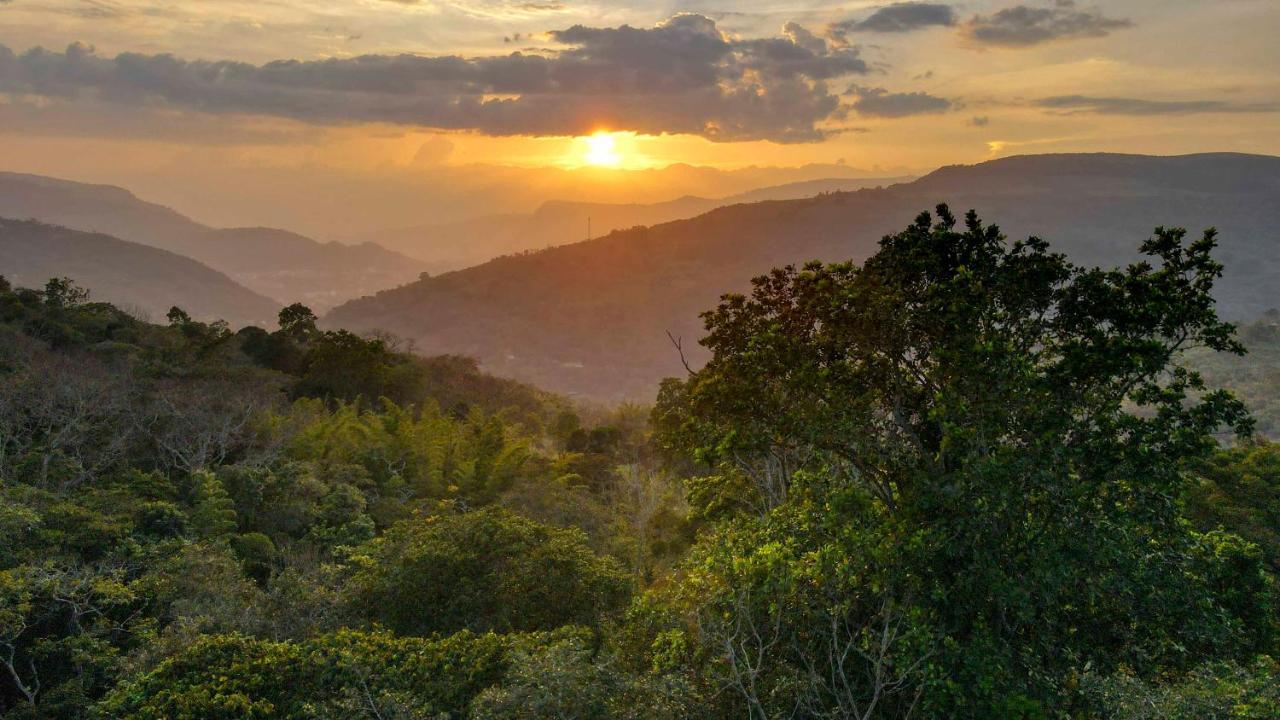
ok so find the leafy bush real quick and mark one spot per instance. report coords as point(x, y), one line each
point(1217, 691)
point(232, 677)
point(485, 570)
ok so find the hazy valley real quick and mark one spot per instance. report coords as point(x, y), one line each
point(592, 318)
point(282, 265)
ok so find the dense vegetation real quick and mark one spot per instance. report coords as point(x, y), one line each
point(952, 483)
point(964, 479)
point(1253, 377)
point(177, 501)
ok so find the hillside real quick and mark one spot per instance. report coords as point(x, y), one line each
point(282, 265)
point(456, 245)
point(134, 276)
point(592, 318)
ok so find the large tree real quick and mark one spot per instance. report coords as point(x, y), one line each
point(950, 478)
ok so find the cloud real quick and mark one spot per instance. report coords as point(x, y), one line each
point(680, 76)
point(980, 121)
point(878, 102)
point(1072, 104)
point(899, 18)
point(1024, 25)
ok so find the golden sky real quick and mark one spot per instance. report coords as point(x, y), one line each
point(405, 105)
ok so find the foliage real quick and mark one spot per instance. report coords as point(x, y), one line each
point(213, 514)
point(966, 479)
point(1014, 427)
point(1253, 378)
point(567, 679)
point(485, 570)
point(235, 677)
point(1217, 691)
point(163, 486)
point(1239, 489)
point(806, 611)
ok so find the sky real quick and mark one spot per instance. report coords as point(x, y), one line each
point(336, 116)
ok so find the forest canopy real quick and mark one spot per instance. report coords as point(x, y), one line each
point(965, 479)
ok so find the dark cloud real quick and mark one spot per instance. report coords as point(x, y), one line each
point(1024, 25)
point(1135, 106)
point(878, 102)
point(899, 18)
point(31, 117)
point(681, 76)
point(90, 10)
point(979, 121)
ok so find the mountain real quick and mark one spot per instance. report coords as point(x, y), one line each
point(455, 245)
point(282, 265)
point(130, 275)
point(592, 318)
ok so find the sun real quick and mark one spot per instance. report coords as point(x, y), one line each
point(602, 150)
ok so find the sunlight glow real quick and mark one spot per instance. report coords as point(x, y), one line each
point(602, 150)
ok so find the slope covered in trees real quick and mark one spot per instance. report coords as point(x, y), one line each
point(1253, 377)
point(592, 318)
point(282, 265)
point(138, 277)
point(175, 498)
point(964, 479)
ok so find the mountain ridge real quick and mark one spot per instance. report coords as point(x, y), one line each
point(128, 274)
point(458, 244)
point(280, 264)
point(591, 317)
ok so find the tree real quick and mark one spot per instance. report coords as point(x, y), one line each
point(57, 626)
point(63, 420)
point(197, 423)
point(1014, 426)
point(1238, 489)
point(483, 570)
point(213, 513)
point(178, 317)
point(342, 365)
point(61, 293)
point(258, 555)
point(1215, 690)
point(568, 680)
point(297, 322)
point(347, 674)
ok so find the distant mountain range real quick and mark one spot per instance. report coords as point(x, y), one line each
point(284, 266)
point(592, 318)
point(456, 245)
point(138, 278)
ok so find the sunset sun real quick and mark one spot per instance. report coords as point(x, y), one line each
point(602, 150)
